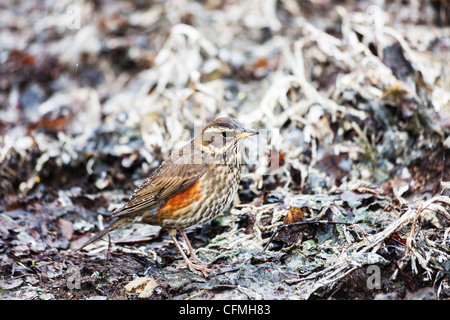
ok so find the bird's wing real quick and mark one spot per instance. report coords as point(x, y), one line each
point(175, 175)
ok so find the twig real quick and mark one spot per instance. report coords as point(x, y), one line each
point(109, 248)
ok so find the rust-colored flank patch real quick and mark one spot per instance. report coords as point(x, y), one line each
point(180, 201)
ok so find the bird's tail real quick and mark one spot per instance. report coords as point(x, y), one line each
point(110, 227)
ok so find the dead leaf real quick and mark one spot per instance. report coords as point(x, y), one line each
point(142, 285)
point(66, 227)
point(8, 285)
point(135, 284)
point(148, 290)
point(350, 196)
point(294, 214)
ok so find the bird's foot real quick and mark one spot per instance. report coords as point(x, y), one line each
point(193, 258)
point(197, 266)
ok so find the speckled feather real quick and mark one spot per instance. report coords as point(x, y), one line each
point(204, 179)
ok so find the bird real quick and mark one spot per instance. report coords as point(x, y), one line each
point(190, 188)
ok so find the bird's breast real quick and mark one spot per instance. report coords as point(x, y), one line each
point(201, 202)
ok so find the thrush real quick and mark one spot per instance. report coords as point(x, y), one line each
point(194, 185)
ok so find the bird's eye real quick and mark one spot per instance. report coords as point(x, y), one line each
point(224, 134)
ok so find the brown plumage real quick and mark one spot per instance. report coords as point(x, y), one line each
point(191, 187)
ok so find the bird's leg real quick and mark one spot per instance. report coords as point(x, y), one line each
point(191, 250)
point(192, 266)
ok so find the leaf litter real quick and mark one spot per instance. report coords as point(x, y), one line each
point(351, 173)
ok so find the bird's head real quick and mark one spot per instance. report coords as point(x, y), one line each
point(221, 135)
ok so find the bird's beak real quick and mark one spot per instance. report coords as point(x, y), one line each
point(246, 133)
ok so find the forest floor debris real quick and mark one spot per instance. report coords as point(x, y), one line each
point(344, 196)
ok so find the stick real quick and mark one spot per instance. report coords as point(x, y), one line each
point(109, 247)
